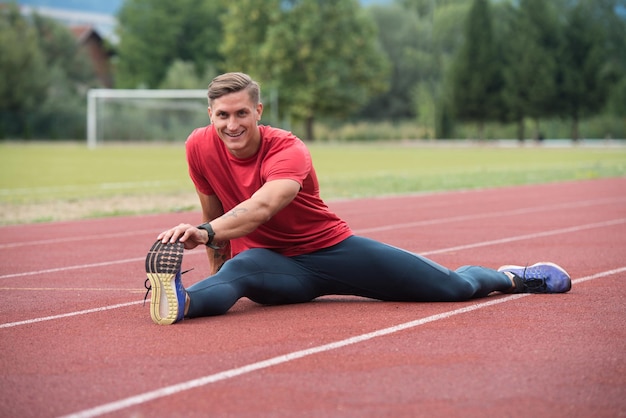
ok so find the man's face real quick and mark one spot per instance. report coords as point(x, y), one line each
point(235, 118)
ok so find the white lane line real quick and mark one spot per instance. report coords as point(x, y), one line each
point(527, 236)
point(81, 238)
point(463, 218)
point(122, 305)
point(73, 289)
point(76, 267)
point(84, 266)
point(598, 275)
point(67, 315)
point(274, 361)
point(488, 215)
point(443, 250)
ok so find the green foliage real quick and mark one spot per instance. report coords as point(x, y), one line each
point(477, 73)
point(538, 55)
point(614, 69)
point(531, 48)
point(245, 25)
point(603, 126)
point(371, 132)
point(154, 34)
point(405, 47)
point(324, 59)
point(583, 57)
point(183, 75)
point(335, 61)
point(22, 65)
point(70, 74)
point(45, 75)
point(62, 51)
point(617, 103)
point(419, 38)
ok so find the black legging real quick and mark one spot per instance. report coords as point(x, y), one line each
point(357, 266)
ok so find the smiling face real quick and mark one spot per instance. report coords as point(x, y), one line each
point(235, 117)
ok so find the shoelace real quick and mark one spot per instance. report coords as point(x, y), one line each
point(148, 286)
point(534, 282)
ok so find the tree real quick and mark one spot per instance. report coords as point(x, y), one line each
point(583, 90)
point(419, 38)
point(70, 74)
point(45, 78)
point(324, 57)
point(183, 75)
point(518, 73)
point(403, 47)
point(448, 23)
point(532, 40)
point(613, 14)
point(24, 79)
point(476, 78)
point(426, 8)
point(245, 24)
point(153, 34)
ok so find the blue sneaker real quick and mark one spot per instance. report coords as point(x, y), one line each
point(539, 278)
point(167, 302)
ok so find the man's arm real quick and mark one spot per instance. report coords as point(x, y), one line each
point(239, 221)
point(260, 208)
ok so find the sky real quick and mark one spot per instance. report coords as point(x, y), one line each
point(97, 13)
point(109, 7)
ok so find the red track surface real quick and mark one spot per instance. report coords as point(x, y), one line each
point(75, 338)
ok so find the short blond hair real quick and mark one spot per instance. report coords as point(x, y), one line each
point(232, 83)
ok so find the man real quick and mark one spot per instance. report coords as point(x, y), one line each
point(271, 238)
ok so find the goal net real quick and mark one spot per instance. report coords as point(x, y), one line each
point(115, 115)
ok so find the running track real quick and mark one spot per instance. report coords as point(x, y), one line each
point(76, 340)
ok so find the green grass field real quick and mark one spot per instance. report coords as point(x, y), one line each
point(41, 173)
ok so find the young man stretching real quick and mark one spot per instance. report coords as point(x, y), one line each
point(271, 238)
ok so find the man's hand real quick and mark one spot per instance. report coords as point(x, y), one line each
point(185, 233)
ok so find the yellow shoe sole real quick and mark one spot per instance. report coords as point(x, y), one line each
point(163, 264)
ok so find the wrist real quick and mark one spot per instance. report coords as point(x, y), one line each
point(211, 235)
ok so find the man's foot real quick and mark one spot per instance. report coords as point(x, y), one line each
point(167, 302)
point(539, 278)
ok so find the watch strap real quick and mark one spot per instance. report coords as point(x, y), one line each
point(209, 229)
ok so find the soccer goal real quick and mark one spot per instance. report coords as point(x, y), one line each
point(143, 115)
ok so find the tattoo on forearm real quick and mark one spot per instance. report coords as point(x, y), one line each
point(235, 212)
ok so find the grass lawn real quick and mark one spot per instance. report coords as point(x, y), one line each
point(45, 174)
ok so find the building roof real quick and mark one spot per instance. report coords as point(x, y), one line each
point(84, 32)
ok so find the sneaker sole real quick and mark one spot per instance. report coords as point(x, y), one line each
point(162, 263)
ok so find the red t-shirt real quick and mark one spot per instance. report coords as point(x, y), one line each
point(303, 226)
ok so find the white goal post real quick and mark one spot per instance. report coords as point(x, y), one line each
point(95, 98)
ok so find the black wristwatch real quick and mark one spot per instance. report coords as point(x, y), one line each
point(209, 229)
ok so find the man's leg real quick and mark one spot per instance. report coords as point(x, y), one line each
point(364, 267)
point(261, 275)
